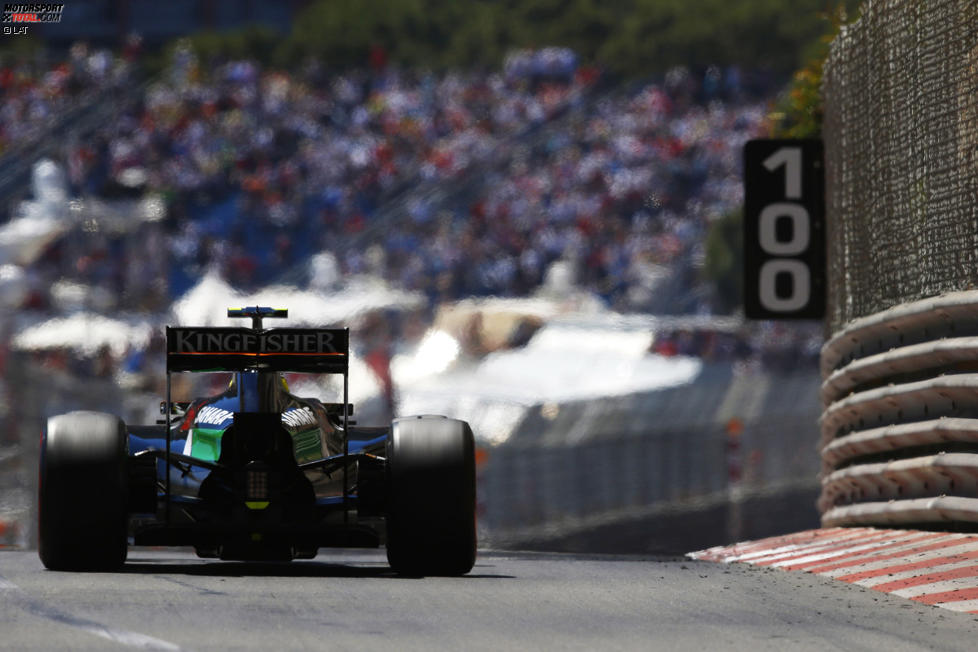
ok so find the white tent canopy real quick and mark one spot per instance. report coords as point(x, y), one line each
point(85, 333)
point(206, 304)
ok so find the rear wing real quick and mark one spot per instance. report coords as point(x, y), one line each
point(313, 350)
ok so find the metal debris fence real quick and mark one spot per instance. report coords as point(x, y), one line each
point(901, 142)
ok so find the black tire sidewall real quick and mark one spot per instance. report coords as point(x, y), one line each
point(82, 520)
point(431, 499)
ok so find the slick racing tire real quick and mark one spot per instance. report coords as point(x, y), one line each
point(82, 524)
point(431, 499)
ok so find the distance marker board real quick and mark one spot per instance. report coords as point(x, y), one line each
point(784, 229)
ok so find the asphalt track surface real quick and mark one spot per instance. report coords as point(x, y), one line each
point(170, 600)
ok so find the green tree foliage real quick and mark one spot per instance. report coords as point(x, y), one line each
point(250, 42)
point(724, 265)
point(632, 38)
point(800, 109)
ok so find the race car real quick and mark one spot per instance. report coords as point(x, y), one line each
point(255, 473)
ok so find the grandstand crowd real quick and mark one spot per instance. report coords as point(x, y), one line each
point(454, 183)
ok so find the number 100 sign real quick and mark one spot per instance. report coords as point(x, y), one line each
point(784, 229)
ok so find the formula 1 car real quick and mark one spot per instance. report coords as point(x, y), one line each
point(256, 473)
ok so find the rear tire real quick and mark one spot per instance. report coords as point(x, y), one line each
point(431, 499)
point(82, 521)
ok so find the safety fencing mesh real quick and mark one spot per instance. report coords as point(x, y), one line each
point(901, 142)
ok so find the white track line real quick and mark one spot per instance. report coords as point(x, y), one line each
point(122, 636)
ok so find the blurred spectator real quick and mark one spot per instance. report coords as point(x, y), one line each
point(36, 92)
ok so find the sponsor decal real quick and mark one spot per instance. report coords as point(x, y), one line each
point(298, 417)
point(323, 350)
point(214, 416)
point(17, 16)
point(293, 418)
point(190, 341)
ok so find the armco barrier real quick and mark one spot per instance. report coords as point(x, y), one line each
point(899, 440)
point(726, 439)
